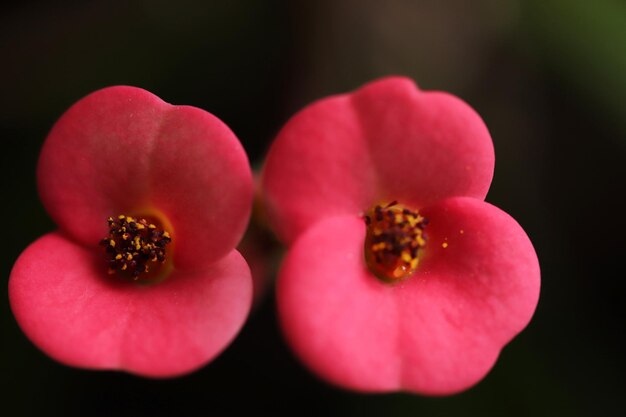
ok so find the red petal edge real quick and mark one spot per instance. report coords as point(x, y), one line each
point(438, 332)
point(81, 317)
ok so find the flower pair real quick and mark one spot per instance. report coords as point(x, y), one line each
point(398, 275)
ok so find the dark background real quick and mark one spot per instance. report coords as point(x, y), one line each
point(548, 77)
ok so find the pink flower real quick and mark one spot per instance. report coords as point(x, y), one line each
point(159, 196)
point(399, 277)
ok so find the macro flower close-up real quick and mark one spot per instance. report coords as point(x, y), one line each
point(142, 275)
point(398, 275)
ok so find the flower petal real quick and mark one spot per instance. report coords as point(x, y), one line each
point(122, 150)
point(476, 288)
point(318, 166)
point(437, 332)
point(202, 182)
point(340, 320)
point(425, 145)
point(386, 141)
point(81, 317)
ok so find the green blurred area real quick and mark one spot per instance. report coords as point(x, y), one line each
point(548, 77)
point(584, 44)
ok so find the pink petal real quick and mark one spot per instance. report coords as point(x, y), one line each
point(80, 316)
point(386, 141)
point(339, 319)
point(204, 187)
point(479, 291)
point(122, 150)
point(425, 145)
point(318, 166)
point(437, 332)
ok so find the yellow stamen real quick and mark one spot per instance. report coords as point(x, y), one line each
point(132, 243)
point(394, 240)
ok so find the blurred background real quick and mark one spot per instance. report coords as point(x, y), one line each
point(547, 76)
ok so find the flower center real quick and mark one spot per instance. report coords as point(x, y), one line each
point(394, 239)
point(135, 248)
